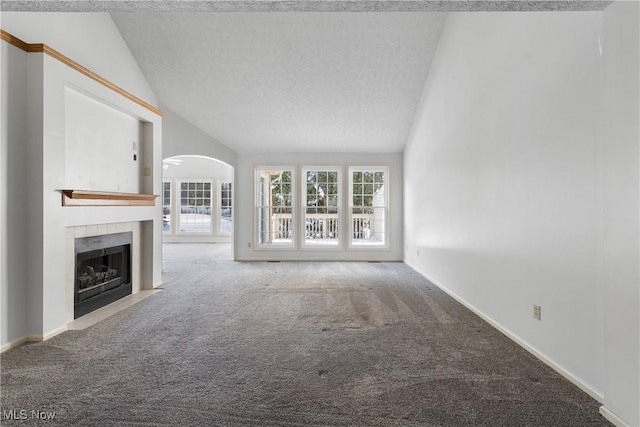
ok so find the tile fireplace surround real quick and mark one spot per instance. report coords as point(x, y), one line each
point(72, 233)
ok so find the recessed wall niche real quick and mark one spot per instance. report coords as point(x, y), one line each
point(103, 146)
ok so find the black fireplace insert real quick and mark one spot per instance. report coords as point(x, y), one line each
point(103, 271)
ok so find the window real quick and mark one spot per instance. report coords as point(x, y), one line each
point(321, 206)
point(368, 206)
point(166, 206)
point(320, 220)
point(274, 206)
point(195, 207)
point(225, 224)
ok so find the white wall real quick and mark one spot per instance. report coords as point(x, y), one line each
point(197, 167)
point(622, 211)
point(503, 180)
point(13, 178)
point(245, 209)
point(183, 138)
point(90, 39)
point(100, 144)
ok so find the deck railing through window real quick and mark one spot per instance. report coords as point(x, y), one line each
point(362, 227)
point(323, 227)
point(281, 226)
point(368, 229)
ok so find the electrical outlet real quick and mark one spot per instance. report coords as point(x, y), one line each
point(537, 313)
point(417, 252)
point(248, 244)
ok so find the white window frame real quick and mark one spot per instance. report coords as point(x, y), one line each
point(259, 206)
point(309, 244)
point(219, 207)
point(178, 207)
point(171, 206)
point(383, 210)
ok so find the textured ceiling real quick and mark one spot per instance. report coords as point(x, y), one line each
point(299, 5)
point(289, 82)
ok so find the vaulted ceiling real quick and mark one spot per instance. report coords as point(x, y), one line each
point(292, 82)
point(312, 79)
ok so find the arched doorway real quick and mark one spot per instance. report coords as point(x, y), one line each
point(197, 200)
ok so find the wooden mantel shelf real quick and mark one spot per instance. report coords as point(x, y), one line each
point(101, 198)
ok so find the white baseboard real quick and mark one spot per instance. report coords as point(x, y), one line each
point(44, 337)
point(316, 260)
point(14, 343)
point(613, 418)
point(154, 286)
point(32, 338)
point(538, 354)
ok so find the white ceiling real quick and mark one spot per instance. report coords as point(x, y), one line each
point(289, 82)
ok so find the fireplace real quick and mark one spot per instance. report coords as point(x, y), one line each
point(102, 271)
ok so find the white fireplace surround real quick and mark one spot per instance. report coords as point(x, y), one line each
point(73, 233)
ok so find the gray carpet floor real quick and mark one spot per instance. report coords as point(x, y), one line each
point(289, 344)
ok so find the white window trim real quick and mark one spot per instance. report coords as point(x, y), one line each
point(257, 204)
point(218, 209)
point(303, 201)
point(349, 206)
point(172, 192)
point(345, 208)
point(177, 213)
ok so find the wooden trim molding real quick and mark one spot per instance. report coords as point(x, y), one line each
point(9, 38)
point(102, 198)
point(43, 48)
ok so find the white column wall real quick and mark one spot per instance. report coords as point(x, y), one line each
point(13, 179)
point(503, 180)
point(33, 145)
point(622, 211)
point(33, 199)
point(51, 218)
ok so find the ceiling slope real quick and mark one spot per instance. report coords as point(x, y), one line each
point(289, 82)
